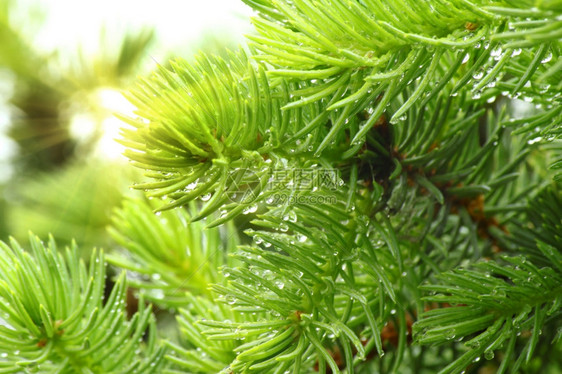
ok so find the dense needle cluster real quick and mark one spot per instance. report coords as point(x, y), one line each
point(369, 186)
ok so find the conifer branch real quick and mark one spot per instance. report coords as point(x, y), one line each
point(55, 318)
point(389, 130)
point(497, 301)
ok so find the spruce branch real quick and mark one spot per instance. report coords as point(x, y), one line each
point(55, 318)
point(322, 284)
point(497, 300)
point(175, 258)
point(322, 306)
point(348, 50)
point(205, 350)
point(233, 118)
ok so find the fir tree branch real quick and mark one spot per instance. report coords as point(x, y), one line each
point(176, 258)
point(495, 302)
point(56, 318)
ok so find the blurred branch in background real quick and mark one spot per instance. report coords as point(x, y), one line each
point(58, 97)
point(75, 202)
point(42, 93)
point(52, 192)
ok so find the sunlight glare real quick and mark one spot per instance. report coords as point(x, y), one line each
point(85, 125)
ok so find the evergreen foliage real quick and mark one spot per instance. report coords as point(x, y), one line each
point(358, 191)
point(53, 203)
point(54, 320)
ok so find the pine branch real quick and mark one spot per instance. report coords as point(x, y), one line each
point(495, 302)
point(354, 49)
point(306, 285)
point(222, 102)
point(55, 318)
point(176, 259)
point(411, 203)
point(226, 107)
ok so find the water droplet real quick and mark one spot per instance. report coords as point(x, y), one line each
point(291, 217)
point(496, 53)
point(157, 294)
point(478, 75)
point(547, 58)
point(535, 140)
point(206, 197)
point(230, 300)
point(544, 88)
point(250, 209)
point(301, 238)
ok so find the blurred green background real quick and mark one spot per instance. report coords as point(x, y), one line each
point(63, 65)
